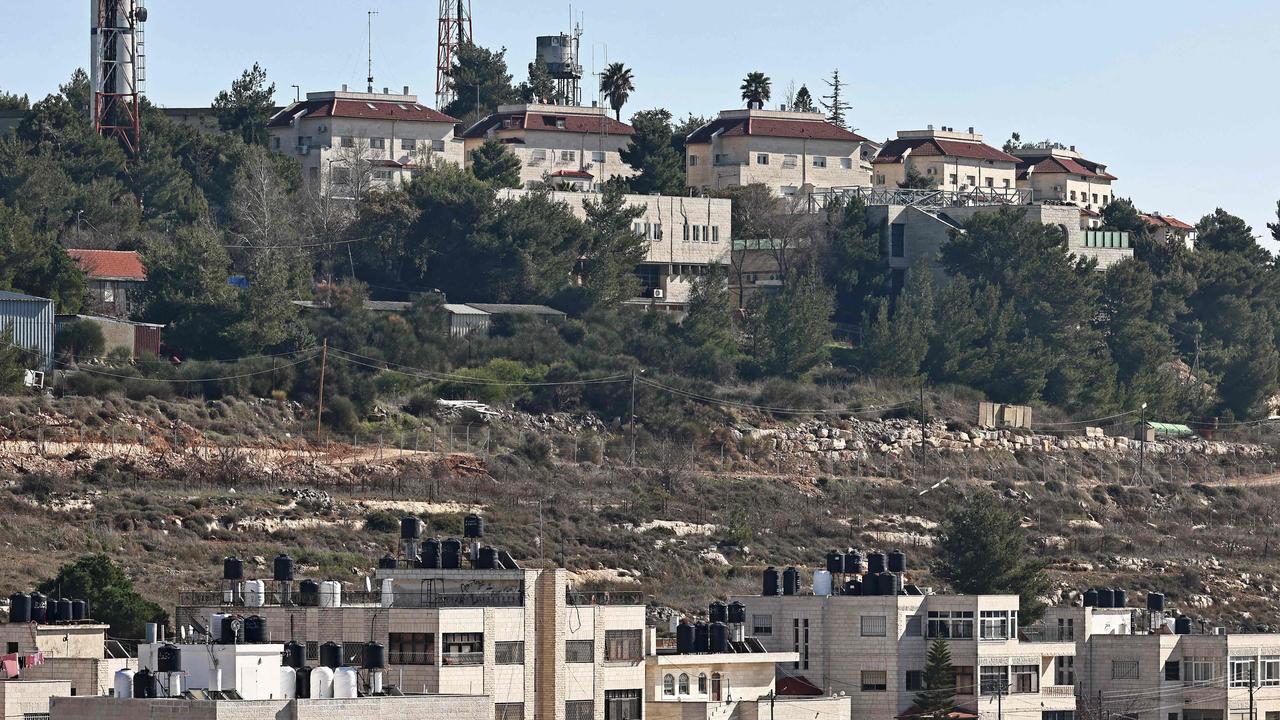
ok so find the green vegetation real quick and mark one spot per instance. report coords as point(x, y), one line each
point(617, 84)
point(938, 698)
point(756, 89)
point(112, 598)
point(982, 550)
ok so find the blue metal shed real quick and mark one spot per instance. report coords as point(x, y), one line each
point(32, 322)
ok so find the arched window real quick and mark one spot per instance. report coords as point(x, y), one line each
point(702, 683)
point(668, 684)
point(684, 684)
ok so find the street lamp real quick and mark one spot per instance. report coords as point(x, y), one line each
point(1142, 449)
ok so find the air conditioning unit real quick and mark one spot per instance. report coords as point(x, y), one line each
point(658, 293)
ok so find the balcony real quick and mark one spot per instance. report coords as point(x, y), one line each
point(1046, 633)
point(604, 597)
point(462, 658)
point(930, 198)
point(1058, 690)
point(1106, 239)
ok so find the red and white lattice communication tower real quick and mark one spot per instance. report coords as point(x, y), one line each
point(117, 69)
point(455, 31)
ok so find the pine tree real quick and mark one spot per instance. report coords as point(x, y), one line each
point(939, 694)
point(496, 165)
point(835, 105)
point(803, 101)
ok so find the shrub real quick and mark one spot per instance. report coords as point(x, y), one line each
point(382, 521)
point(81, 340)
point(340, 414)
point(421, 404)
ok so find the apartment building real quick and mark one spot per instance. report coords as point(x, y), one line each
point(955, 161)
point(525, 638)
point(786, 151)
point(1166, 228)
point(558, 145)
point(873, 648)
point(76, 653)
point(1062, 175)
point(687, 236)
point(204, 708)
point(354, 141)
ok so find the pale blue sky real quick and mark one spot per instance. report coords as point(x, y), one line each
point(1178, 97)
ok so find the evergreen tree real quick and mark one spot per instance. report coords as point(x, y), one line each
point(804, 101)
point(617, 84)
point(651, 152)
point(794, 327)
point(480, 82)
point(33, 262)
point(540, 87)
point(708, 328)
point(110, 593)
point(9, 101)
point(526, 253)
point(914, 180)
point(246, 108)
point(756, 89)
point(187, 290)
point(836, 106)
point(939, 694)
point(982, 550)
point(853, 261)
point(14, 361)
point(897, 343)
point(614, 250)
point(494, 164)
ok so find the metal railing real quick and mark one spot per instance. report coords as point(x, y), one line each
point(604, 597)
point(880, 195)
point(1046, 633)
point(361, 598)
point(462, 658)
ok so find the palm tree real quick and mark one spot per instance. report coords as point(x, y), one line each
point(756, 89)
point(617, 84)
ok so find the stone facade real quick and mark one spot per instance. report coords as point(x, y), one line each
point(27, 698)
point(956, 161)
point(452, 707)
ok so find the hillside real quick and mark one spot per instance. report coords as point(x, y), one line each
point(683, 525)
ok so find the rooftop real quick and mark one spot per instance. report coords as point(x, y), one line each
point(549, 118)
point(1059, 161)
point(940, 143)
point(1157, 220)
point(109, 264)
point(7, 295)
point(772, 123)
point(362, 106)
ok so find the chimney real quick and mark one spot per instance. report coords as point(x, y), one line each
point(1073, 148)
point(931, 126)
point(344, 87)
point(970, 129)
point(406, 89)
point(386, 91)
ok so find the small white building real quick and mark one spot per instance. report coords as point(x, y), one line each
point(953, 161)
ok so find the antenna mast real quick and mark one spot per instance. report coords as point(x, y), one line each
point(454, 32)
point(117, 70)
point(371, 14)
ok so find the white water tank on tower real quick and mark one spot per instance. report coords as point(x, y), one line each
point(345, 683)
point(330, 594)
point(255, 593)
point(124, 684)
point(822, 583)
point(388, 593)
point(288, 683)
point(321, 683)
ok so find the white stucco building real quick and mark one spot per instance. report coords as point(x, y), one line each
point(557, 144)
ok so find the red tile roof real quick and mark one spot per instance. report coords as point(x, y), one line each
point(1158, 220)
point(894, 150)
point(110, 264)
point(1052, 164)
point(772, 127)
point(360, 109)
point(576, 174)
point(549, 122)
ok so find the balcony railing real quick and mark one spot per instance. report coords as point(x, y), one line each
point(356, 598)
point(878, 195)
point(1058, 690)
point(462, 658)
point(604, 597)
point(1046, 633)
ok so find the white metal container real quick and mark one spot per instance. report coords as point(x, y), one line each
point(822, 582)
point(330, 594)
point(321, 683)
point(388, 593)
point(288, 683)
point(345, 682)
point(255, 593)
point(124, 684)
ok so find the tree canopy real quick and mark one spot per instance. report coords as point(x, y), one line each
point(110, 593)
point(616, 84)
point(982, 550)
point(246, 107)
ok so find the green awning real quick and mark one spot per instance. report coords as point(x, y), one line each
point(1170, 429)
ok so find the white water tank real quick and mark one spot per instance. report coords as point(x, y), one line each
point(172, 683)
point(321, 683)
point(255, 593)
point(822, 582)
point(288, 683)
point(388, 593)
point(345, 682)
point(124, 684)
point(330, 594)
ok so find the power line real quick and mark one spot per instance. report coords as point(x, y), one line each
point(767, 408)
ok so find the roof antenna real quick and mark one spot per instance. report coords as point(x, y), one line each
point(371, 14)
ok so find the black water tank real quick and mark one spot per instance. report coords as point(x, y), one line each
point(897, 562)
point(771, 584)
point(886, 584)
point(144, 684)
point(39, 607)
point(684, 638)
point(451, 554)
point(51, 611)
point(875, 563)
point(702, 637)
point(309, 593)
point(375, 656)
point(227, 634)
point(64, 609)
point(853, 563)
point(232, 568)
point(295, 654)
point(331, 655)
point(410, 528)
point(1091, 598)
point(737, 612)
point(430, 558)
point(19, 608)
point(488, 559)
point(1155, 601)
point(473, 527)
point(282, 568)
point(835, 562)
point(303, 689)
point(79, 610)
point(719, 637)
point(168, 659)
point(790, 581)
point(387, 562)
point(1106, 598)
point(853, 587)
point(1121, 598)
point(255, 629)
point(719, 612)
point(1182, 626)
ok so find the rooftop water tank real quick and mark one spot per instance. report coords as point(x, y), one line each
point(388, 593)
point(875, 563)
point(303, 687)
point(295, 654)
point(771, 583)
point(1121, 598)
point(64, 609)
point(124, 683)
point(375, 656)
point(79, 610)
point(430, 554)
point(1182, 625)
point(168, 659)
point(309, 593)
point(684, 638)
point(702, 638)
point(1106, 598)
point(887, 584)
point(451, 554)
point(719, 637)
point(330, 594)
point(345, 682)
point(821, 583)
point(790, 581)
point(255, 629)
point(897, 562)
point(288, 682)
point(331, 655)
point(228, 633)
point(473, 527)
point(1155, 601)
point(387, 562)
point(321, 683)
point(737, 613)
point(719, 612)
point(1091, 598)
point(144, 684)
point(835, 562)
point(19, 608)
point(410, 528)
point(255, 593)
point(852, 587)
point(488, 559)
point(38, 607)
point(853, 563)
point(232, 568)
point(282, 568)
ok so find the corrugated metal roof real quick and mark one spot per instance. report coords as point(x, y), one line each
point(32, 321)
point(460, 309)
point(7, 295)
point(512, 309)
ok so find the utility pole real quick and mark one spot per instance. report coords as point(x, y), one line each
point(772, 697)
point(633, 417)
point(1142, 449)
point(1002, 687)
point(1253, 686)
point(324, 357)
point(922, 416)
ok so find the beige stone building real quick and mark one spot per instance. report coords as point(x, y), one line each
point(525, 638)
point(687, 236)
point(558, 145)
point(786, 151)
point(452, 707)
point(76, 653)
point(1166, 228)
point(29, 699)
point(350, 142)
point(1062, 175)
point(954, 161)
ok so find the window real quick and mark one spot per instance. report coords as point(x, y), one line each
point(1172, 671)
point(914, 627)
point(1242, 671)
point(1061, 715)
point(579, 710)
point(706, 233)
point(12, 648)
point(1270, 670)
point(438, 146)
point(353, 654)
point(275, 143)
point(789, 162)
point(378, 143)
point(669, 685)
point(970, 180)
point(915, 680)
point(898, 248)
point(964, 679)
point(408, 649)
point(800, 637)
point(622, 704)
point(846, 163)
point(508, 653)
point(820, 161)
point(991, 182)
point(715, 233)
point(702, 683)
point(873, 626)
point(657, 231)
point(462, 649)
point(597, 157)
point(697, 233)
point(953, 178)
point(508, 711)
point(568, 155)
point(1026, 679)
point(682, 684)
point(537, 156)
point(993, 679)
point(1064, 670)
point(950, 624)
point(999, 624)
point(1006, 184)
point(623, 645)
point(304, 141)
point(382, 175)
point(693, 161)
point(579, 651)
point(930, 171)
point(1095, 198)
point(313, 649)
point(341, 175)
point(1124, 669)
point(761, 624)
point(1199, 670)
point(875, 681)
point(347, 142)
point(762, 158)
point(1073, 194)
point(686, 232)
point(408, 144)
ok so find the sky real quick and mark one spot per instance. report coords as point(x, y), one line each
point(1177, 97)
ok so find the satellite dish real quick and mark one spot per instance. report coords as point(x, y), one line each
point(140, 14)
